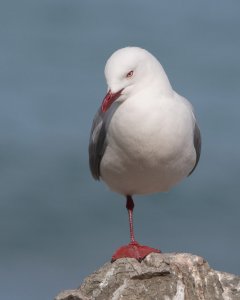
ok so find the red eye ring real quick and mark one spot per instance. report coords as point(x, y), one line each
point(129, 74)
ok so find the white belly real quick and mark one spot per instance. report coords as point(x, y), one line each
point(148, 152)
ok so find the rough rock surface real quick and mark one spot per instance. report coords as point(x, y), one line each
point(175, 276)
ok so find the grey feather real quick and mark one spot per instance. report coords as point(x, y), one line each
point(98, 138)
point(197, 141)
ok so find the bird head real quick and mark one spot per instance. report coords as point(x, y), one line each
point(128, 71)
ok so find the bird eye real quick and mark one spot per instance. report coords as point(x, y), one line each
point(129, 74)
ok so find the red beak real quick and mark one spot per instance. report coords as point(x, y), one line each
point(109, 99)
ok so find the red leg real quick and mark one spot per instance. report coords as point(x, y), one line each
point(133, 249)
point(130, 207)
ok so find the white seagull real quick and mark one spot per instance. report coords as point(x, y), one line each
point(144, 137)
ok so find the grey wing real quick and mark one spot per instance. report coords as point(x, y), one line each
point(98, 138)
point(197, 141)
point(97, 144)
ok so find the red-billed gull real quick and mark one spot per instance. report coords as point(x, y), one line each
point(144, 137)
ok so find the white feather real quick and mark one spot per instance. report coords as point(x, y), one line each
point(150, 136)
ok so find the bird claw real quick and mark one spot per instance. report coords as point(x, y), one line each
point(133, 250)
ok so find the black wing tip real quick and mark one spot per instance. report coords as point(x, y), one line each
point(93, 164)
point(197, 141)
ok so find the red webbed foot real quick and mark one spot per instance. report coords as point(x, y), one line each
point(134, 250)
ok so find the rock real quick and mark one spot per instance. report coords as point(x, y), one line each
point(175, 276)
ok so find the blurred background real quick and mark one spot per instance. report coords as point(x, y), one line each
point(57, 225)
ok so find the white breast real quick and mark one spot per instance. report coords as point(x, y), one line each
point(150, 145)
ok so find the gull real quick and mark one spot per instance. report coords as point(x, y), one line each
point(144, 138)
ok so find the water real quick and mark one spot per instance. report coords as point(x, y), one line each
point(57, 224)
